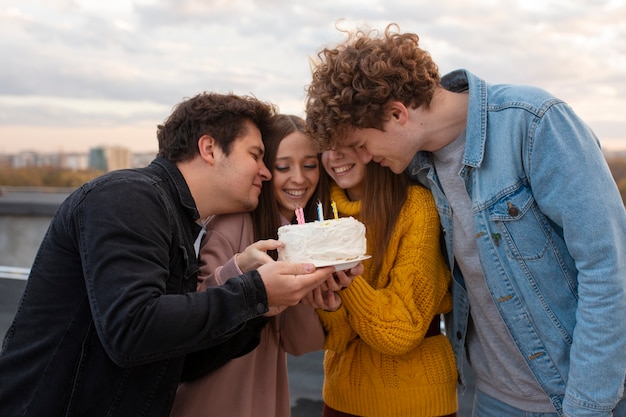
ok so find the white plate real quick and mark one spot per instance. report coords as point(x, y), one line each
point(341, 265)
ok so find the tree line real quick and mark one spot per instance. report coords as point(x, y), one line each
point(46, 176)
point(617, 164)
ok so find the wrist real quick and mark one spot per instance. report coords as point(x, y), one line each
point(240, 263)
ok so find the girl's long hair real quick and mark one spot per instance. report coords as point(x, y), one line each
point(384, 194)
point(266, 217)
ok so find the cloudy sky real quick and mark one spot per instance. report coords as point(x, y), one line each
point(81, 73)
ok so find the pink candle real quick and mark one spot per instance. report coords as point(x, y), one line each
point(300, 215)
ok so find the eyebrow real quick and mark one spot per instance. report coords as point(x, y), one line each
point(291, 157)
point(260, 150)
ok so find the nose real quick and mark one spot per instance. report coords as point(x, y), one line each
point(264, 173)
point(333, 154)
point(297, 176)
point(364, 155)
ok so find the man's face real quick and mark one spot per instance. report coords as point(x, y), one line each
point(381, 146)
point(242, 172)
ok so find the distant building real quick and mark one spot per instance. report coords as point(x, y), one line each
point(29, 159)
point(75, 161)
point(140, 160)
point(109, 158)
point(103, 158)
point(97, 159)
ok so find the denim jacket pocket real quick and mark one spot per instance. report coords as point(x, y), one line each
point(520, 225)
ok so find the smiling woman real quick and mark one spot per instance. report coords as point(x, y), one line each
point(296, 172)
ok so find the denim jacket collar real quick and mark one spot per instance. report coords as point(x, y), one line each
point(461, 81)
point(476, 130)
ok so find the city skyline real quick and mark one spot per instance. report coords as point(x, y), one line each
point(83, 73)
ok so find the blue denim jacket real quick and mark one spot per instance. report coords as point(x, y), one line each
point(551, 232)
point(110, 310)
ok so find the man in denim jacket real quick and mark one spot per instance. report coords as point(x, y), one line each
point(110, 309)
point(534, 226)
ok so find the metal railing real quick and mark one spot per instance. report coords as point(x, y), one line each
point(14, 272)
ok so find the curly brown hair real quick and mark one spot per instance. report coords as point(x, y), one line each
point(221, 116)
point(354, 82)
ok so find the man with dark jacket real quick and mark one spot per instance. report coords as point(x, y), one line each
point(110, 313)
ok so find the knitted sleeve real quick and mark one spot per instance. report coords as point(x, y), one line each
point(393, 311)
point(337, 328)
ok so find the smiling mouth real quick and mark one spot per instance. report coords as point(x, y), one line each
point(295, 193)
point(342, 169)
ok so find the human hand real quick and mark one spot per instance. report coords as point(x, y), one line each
point(287, 283)
point(342, 279)
point(256, 255)
point(356, 270)
point(274, 311)
point(326, 300)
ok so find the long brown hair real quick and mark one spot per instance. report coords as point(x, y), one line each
point(266, 217)
point(384, 194)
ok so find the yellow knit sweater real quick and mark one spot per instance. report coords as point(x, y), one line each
point(378, 362)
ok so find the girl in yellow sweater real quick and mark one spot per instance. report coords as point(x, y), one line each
point(385, 355)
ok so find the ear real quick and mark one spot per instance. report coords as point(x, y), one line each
point(206, 147)
point(398, 112)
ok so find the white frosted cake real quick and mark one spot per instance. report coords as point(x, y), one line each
point(324, 241)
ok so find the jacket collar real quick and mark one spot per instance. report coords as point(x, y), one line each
point(476, 130)
point(177, 183)
point(459, 81)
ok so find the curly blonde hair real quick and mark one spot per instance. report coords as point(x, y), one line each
point(354, 82)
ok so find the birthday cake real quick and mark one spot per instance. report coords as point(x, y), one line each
point(323, 241)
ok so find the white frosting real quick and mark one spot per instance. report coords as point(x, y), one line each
point(321, 241)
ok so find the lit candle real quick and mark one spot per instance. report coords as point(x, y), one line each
point(334, 206)
point(320, 211)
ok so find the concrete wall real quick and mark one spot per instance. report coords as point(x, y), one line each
point(20, 237)
point(25, 214)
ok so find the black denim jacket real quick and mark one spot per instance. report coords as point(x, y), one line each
point(110, 309)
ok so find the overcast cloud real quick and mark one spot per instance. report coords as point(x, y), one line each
point(79, 73)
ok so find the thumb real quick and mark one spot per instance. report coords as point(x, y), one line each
point(311, 277)
point(305, 268)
